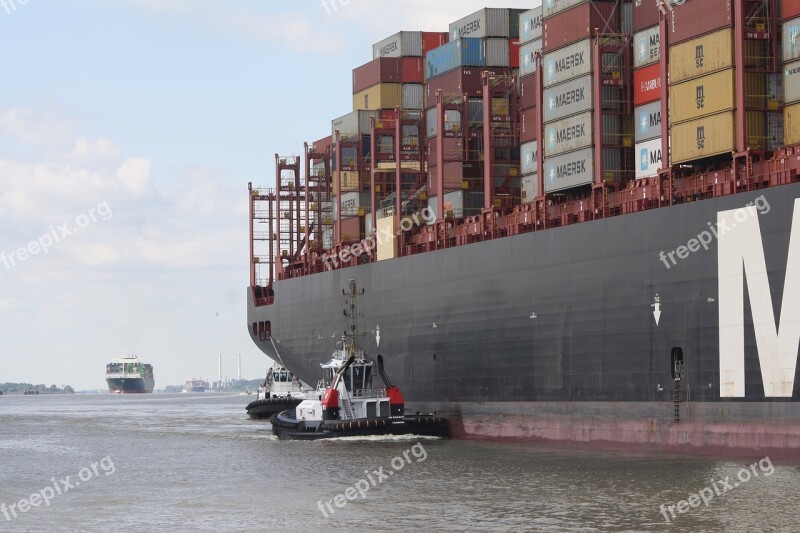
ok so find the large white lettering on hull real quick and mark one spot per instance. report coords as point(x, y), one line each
point(741, 257)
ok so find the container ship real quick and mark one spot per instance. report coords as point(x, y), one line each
point(578, 223)
point(128, 375)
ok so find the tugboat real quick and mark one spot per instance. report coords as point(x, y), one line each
point(279, 391)
point(347, 404)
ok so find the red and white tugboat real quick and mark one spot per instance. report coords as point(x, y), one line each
point(348, 404)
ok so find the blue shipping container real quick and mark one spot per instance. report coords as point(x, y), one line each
point(464, 52)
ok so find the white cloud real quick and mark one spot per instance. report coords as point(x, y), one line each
point(134, 175)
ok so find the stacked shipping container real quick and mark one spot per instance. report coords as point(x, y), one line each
point(530, 27)
point(791, 71)
point(569, 101)
point(648, 94)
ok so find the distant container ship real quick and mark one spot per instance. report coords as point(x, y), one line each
point(129, 375)
point(195, 385)
point(610, 245)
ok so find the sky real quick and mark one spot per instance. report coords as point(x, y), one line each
point(129, 130)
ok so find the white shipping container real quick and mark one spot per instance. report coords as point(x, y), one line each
point(791, 82)
point(648, 121)
point(530, 25)
point(527, 57)
point(487, 22)
point(569, 170)
point(568, 134)
point(529, 157)
point(647, 47)
point(569, 98)
point(791, 40)
point(352, 202)
point(567, 63)
point(530, 186)
point(551, 7)
point(404, 43)
point(413, 96)
point(649, 158)
point(353, 123)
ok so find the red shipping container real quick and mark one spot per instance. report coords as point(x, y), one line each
point(527, 125)
point(645, 14)
point(527, 92)
point(381, 70)
point(323, 144)
point(513, 53)
point(413, 71)
point(460, 81)
point(647, 84)
point(697, 18)
point(431, 40)
point(790, 9)
point(352, 229)
point(579, 23)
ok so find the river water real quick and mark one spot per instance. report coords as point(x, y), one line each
point(195, 462)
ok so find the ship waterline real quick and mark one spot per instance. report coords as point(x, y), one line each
point(578, 333)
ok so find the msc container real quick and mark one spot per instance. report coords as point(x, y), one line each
point(704, 137)
point(404, 43)
point(530, 25)
point(791, 82)
point(357, 122)
point(527, 57)
point(791, 40)
point(701, 56)
point(381, 96)
point(459, 53)
point(569, 98)
point(529, 156)
point(458, 204)
point(791, 124)
point(580, 22)
point(497, 52)
point(381, 70)
point(527, 124)
point(487, 22)
point(569, 170)
point(647, 84)
point(650, 158)
point(647, 47)
point(568, 62)
point(566, 135)
point(413, 96)
point(529, 188)
point(706, 95)
point(431, 40)
point(648, 125)
point(698, 17)
point(460, 81)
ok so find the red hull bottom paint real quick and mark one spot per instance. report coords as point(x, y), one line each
point(618, 429)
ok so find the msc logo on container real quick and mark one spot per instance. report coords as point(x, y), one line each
point(699, 56)
point(700, 96)
point(701, 137)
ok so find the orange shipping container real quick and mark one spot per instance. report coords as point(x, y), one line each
point(701, 56)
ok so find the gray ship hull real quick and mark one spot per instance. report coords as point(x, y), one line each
point(571, 334)
point(130, 385)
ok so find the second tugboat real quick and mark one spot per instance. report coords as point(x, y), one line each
point(347, 404)
point(279, 391)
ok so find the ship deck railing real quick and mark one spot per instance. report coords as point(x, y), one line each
point(366, 394)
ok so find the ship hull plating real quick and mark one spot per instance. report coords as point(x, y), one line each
point(569, 334)
point(130, 385)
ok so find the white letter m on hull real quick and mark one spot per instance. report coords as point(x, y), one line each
point(741, 255)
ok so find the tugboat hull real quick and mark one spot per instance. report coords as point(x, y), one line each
point(266, 407)
point(285, 426)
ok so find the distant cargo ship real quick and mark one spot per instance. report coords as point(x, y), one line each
point(129, 375)
point(195, 385)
